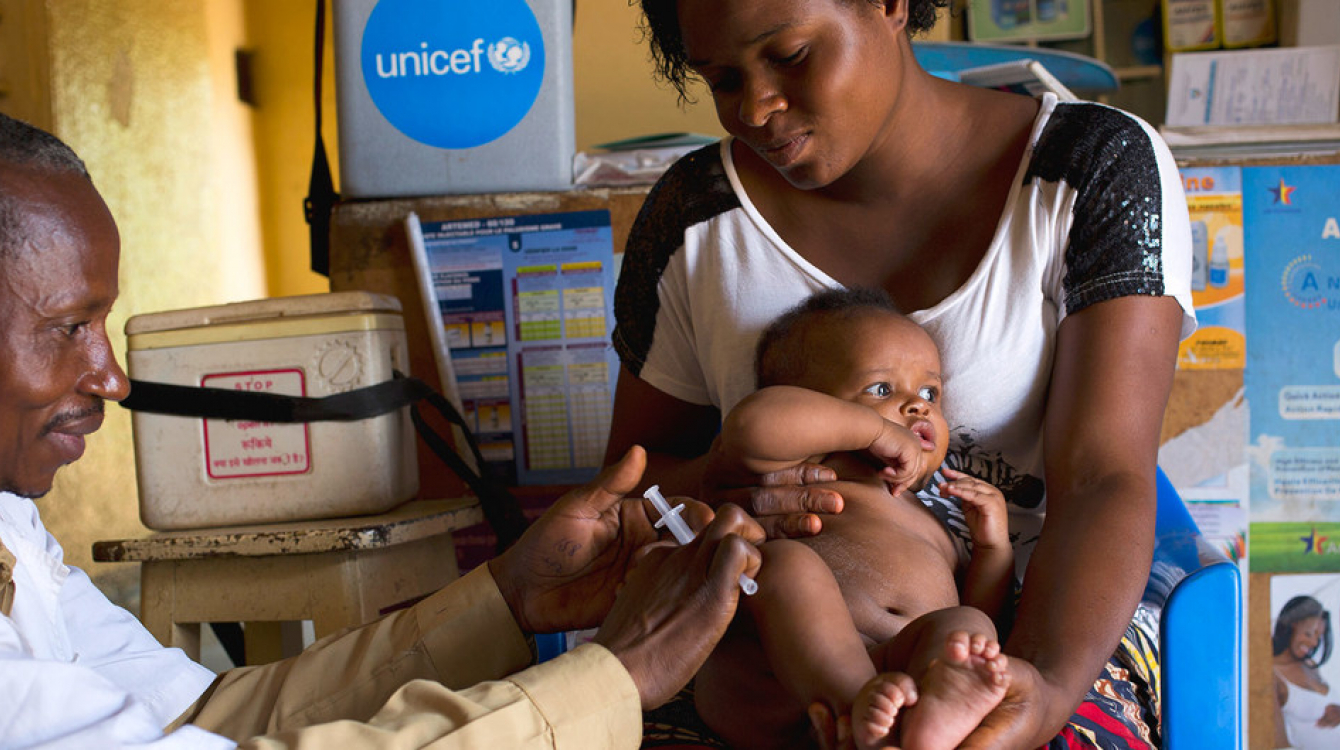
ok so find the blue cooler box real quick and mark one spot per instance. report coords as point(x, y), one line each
point(453, 96)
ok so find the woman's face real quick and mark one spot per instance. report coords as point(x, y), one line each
point(807, 85)
point(1307, 635)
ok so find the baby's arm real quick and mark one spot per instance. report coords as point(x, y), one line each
point(780, 426)
point(989, 582)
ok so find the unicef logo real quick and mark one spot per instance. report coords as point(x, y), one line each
point(431, 73)
point(507, 55)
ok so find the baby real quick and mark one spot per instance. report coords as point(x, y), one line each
point(883, 615)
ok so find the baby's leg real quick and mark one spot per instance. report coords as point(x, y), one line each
point(807, 634)
point(806, 628)
point(959, 673)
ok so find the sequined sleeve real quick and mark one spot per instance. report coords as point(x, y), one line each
point(1129, 233)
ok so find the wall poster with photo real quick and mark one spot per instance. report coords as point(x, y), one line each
point(1304, 665)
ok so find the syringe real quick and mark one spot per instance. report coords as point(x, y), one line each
point(681, 531)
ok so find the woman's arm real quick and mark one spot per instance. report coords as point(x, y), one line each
point(1111, 377)
point(676, 434)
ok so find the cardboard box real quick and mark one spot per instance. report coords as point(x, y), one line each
point(196, 473)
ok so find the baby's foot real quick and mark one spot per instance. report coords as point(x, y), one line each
point(958, 689)
point(876, 708)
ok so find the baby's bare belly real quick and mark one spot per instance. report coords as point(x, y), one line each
point(892, 559)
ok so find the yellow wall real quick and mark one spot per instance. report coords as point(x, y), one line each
point(281, 36)
point(614, 96)
point(142, 90)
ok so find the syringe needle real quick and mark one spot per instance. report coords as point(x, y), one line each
point(681, 531)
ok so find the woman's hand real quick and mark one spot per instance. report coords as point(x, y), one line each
point(785, 502)
point(1012, 725)
point(1017, 721)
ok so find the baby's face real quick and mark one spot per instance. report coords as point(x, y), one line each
point(888, 363)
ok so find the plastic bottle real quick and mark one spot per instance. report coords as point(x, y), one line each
point(1200, 260)
point(1219, 263)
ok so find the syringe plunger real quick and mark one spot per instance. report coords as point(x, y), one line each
point(681, 531)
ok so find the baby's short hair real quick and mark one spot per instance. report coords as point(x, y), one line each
point(776, 363)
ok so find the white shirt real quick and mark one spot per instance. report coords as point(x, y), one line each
point(1096, 212)
point(1301, 711)
point(76, 670)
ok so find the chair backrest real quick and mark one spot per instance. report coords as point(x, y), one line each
point(1200, 592)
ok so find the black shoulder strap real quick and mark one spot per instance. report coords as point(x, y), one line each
point(321, 196)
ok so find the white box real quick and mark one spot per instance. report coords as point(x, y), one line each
point(454, 96)
point(196, 473)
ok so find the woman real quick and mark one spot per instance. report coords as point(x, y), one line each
point(1306, 718)
point(1044, 246)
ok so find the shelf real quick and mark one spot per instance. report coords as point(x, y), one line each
point(1138, 72)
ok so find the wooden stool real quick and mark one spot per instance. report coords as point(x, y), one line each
point(336, 572)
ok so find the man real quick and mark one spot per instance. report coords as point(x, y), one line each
point(77, 671)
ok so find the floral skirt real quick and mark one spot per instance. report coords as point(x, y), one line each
point(1122, 708)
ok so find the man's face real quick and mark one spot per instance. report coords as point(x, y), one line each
point(56, 288)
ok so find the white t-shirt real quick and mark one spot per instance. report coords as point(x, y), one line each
point(76, 670)
point(1096, 212)
point(1301, 711)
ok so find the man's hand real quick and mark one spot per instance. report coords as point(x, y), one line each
point(562, 574)
point(677, 602)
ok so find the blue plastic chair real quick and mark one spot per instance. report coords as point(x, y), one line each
point(1199, 591)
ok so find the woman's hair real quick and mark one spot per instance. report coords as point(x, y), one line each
point(660, 25)
point(778, 360)
point(1293, 612)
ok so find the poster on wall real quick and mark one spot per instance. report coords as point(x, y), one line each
point(1304, 662)
point(526, 304)
point(1024, 20)
point(1291, 221)
point(1214, 200)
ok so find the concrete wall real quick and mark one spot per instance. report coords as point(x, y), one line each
point(143, 92)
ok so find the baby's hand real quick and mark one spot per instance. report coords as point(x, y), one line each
point(900, 451)
point(983, 509)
